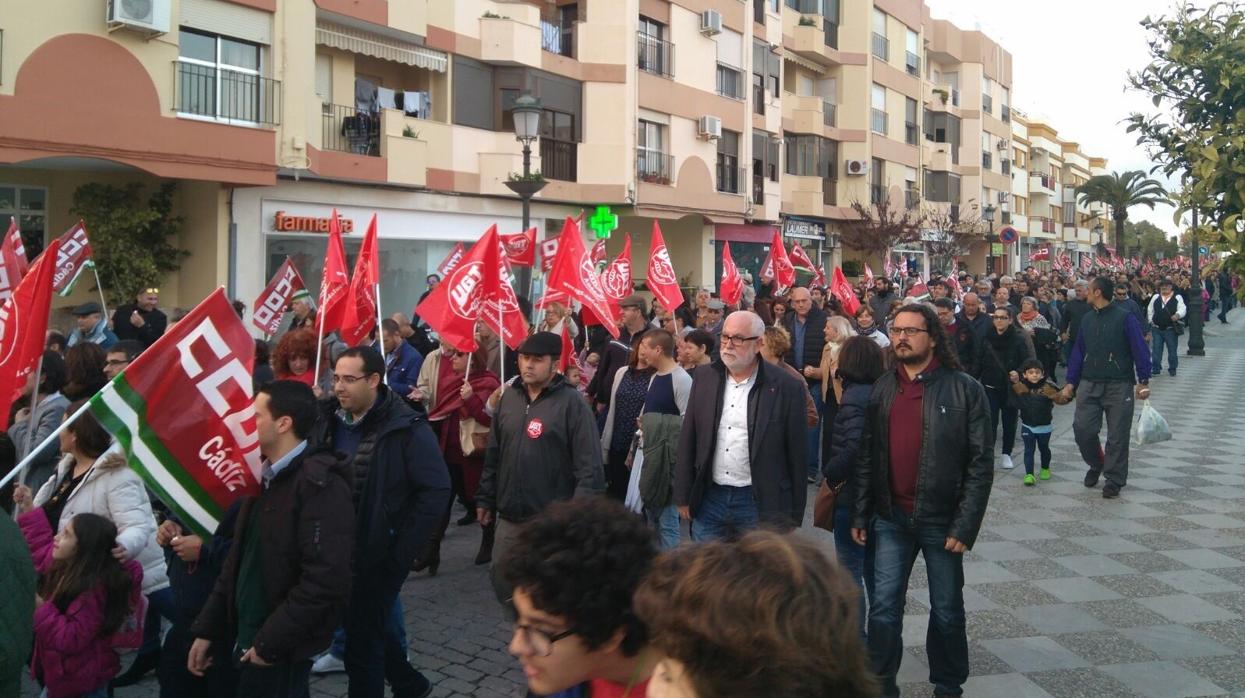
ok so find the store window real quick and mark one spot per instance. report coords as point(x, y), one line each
point(29, 207)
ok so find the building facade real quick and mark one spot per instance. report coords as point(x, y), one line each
point(720, 120)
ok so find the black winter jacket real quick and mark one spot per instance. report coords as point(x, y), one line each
point(849, 426)
point(1036, 401)
point(540, 451)
point(306, 529)
point(1002, 354)
point(957, 455)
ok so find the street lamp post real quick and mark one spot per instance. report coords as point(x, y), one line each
point(526, 113)
point(1197, 343)
point(987, 214)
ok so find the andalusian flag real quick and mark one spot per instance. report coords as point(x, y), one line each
point(183, 412)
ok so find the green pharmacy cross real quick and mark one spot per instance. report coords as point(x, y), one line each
point(603, 222)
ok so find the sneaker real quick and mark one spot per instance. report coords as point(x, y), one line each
point(1091, 478)
point(1006, 462)
point(1172, 374)
point(1029, 480)
point(328, 664)
point(1044, 474)
point(1110, 490)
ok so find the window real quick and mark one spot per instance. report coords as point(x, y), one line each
point(1069, 213)
point(910, 195)
point(219, 78)
point(764, 163)
point(1020, 206)
point(558, 148)
point(941, 127)
point(766, 69)
point(943, 187)
point(729, 173)
point(987, 160)
point(909, 118)
point(473, 93)
point(652, 162)
point(878, 102)
point(986, 154)
point(881, 46)
point(1005, 166)
point(730, 82)
point(877, 180)
point(912, 53)
point(484, 97)
point(987, 101)
point(1005, 104)
point(654, 54)
point(324, 78)
point(810, 156)
point(830, 22)
point(29, 207)
point(557, 29)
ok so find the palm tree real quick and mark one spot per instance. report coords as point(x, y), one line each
point(1121, 192)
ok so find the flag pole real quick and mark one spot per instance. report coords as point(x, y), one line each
point(100, 287)
point(380, 330)
point(319, 343)
point(501, 342)
point(25, 463)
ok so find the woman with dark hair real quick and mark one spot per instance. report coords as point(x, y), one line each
point(867, 326)
point(629, 390)
point(1006, 349)
point(51, 404)
point(84, 364)
point(263, 374)
point(860, 363)
point(767, 615)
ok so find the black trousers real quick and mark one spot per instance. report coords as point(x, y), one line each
point(373, 653)
point(288, 680)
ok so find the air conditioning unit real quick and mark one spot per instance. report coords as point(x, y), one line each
point(1004, 145)
point(710, 127)
point(857, 168)
point(149, 17)
point(1002, 197)
point(710, 22)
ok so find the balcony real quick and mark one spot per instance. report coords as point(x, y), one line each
point(881, 46)
point(221, 94)
point(912, 62)
point(508, 41)
point(807, 114)
point(730, 178)
point(829, 114)
point(804, 195)
point(654, 55)
point(941, 156)
point(1041, 226)
point(809, 39)
point(558, 159)
point(348, 130)
point(557, 39)
point(654, 167)
point(1042, 184)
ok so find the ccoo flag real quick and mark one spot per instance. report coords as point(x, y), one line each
point(184, 413)
point(13, 264)
point(73, 258)
point(270, 306)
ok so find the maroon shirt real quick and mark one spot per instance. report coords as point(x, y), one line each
point(906, 423)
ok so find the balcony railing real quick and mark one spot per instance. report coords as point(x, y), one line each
point(730, 178)
point(558, 159)
point(654, 167)
point(654, 55)
point(348, 130)
point(556, 39)
point(758, 189)
point(912, 62)
point(227, 95)
point(831, 30)
point(881, 46)
point(829, 114)
point(1043, 181)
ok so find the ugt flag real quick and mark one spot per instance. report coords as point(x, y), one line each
point(520, 247)
point(183, 411)
point(23, 324)
point(574, 274)
point(841, 289)
point(662, 280)
point(270, 306)
point(333, 282)
point(455, 305)
point(732, 287)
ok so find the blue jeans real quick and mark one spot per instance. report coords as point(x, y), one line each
point(893, 546)
point(1000, 408)
point(1158, 340)
point(1039, 441)
point(814, 433)
point(851, 557)
point(725, 512)
point(669, 529)
point(396, 623)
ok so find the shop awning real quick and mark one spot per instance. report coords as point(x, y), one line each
point(377, 46)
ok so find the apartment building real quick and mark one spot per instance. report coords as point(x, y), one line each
point(718, 119)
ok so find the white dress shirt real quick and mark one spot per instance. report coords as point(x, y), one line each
point(731, 464)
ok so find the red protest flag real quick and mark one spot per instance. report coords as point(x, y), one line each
point(500, 309)
point(842, 290)
point(548, 251)
point(567, 358)
point(360, 315)
point(616, 280)
point(184, 412)
point(74, 256)
point(868, 275)
point(333, 282)
point(574, 273)
point(551, 297)
point(784, 272)
point(662, 280)
point(454, 306)
point(767, 269)
point(800, 259)
point(598, 254)
point(13, 264)
point(267, 310)
point(23, 325)
point(819, 277)
point(451, 260)
point(731, 289)
point(520, 247)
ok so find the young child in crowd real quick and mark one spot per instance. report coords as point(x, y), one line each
point(86, 604)
point(1035, 398)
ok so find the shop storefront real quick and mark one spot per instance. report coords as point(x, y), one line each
point(811, 235)
point(749, 248)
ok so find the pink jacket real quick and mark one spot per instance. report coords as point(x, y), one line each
point(70, 656)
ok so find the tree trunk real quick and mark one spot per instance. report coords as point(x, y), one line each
point(1119, 237)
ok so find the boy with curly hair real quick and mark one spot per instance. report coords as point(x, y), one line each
point(573, 570)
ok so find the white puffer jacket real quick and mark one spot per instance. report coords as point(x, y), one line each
point(115, 492)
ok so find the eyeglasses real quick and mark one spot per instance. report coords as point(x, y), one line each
point(905, 331)
point(450, 353)
point(116, 362)
point(348, 380)
point(737, 341)
point(541, 641)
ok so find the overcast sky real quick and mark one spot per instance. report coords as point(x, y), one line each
point(1070, 60)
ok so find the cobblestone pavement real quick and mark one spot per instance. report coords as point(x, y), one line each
point(1068, 594)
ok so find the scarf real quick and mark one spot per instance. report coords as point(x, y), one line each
point(1027, 315)
point(449, 383)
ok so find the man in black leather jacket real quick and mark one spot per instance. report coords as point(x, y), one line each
point(922, 482)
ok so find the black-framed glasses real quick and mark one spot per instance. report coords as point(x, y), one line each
point(905, 331)
point(539, 640)
point(737, 340)
point(348, 380)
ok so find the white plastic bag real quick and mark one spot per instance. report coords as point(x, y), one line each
point(633, 500)
point(1151, 427)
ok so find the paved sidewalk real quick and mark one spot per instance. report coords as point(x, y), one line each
point(1068, 594)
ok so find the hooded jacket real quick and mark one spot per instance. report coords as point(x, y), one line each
point(539, 451)
point(306, 528)
point(116, 493)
